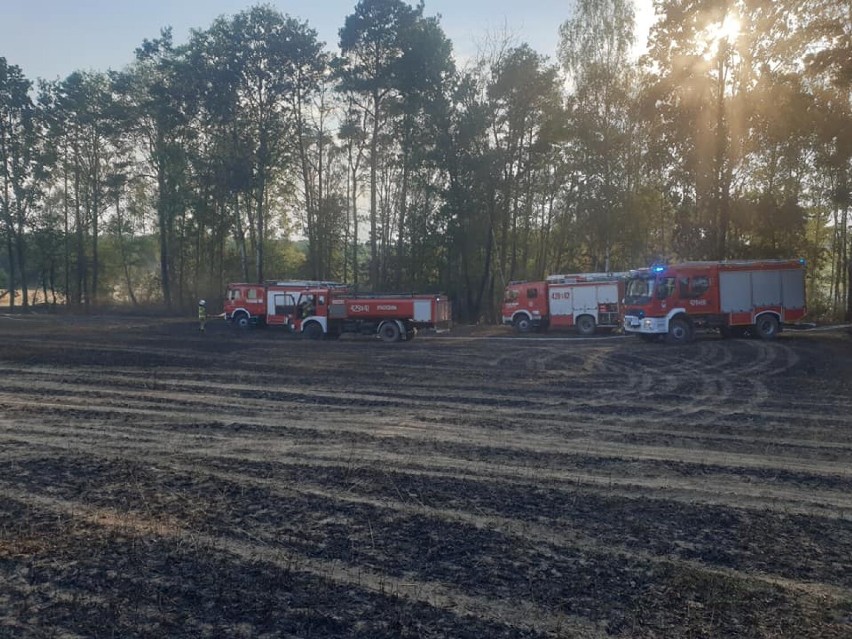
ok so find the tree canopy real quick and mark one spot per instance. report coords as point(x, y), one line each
point(255, 151)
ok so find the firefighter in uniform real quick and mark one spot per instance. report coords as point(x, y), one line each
point(202, 315)
point(308, 306)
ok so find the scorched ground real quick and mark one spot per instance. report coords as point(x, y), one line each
point(158, 482)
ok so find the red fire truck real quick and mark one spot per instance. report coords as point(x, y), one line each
point(318, 312)
point(249, 304)
point(582, 300)
point(734, 297)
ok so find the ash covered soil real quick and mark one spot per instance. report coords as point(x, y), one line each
point(159, 482)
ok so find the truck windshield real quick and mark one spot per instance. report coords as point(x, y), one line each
point(639, 290)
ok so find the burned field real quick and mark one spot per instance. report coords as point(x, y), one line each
point(159, 482)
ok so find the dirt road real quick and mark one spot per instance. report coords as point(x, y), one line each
point(157, 482)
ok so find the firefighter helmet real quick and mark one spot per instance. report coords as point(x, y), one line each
point(202, 303)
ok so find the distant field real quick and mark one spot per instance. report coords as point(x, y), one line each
point(35, 297)
point(157, 482)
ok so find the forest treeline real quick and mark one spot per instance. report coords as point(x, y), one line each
point(254, 151)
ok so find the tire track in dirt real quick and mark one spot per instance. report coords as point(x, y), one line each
point(248, 396)
point(581, 423)
point(518, 613)
point(438, 594)
point(663, 372)
point(192, 398)
point(564, 536)
point(721, 394)
point(708, 486)
point(378, 426)
point(722, 491)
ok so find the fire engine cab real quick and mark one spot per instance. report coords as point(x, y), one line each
point(734, 297)
point(585, 301)
point(250, 304)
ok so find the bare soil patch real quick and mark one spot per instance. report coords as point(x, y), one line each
point(160, 482)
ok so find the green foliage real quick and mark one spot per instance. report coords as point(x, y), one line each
point(594, 52)
point(251, 152)
point(287, 258)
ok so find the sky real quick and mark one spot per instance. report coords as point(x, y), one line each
point(50, 39)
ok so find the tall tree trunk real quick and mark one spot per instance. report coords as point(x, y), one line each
point(845, 256)
point(122, 249)
point(66, 231)
point(355, 225)
point(10, 250)
point(322, 263)
point(374, 163)
point(403, 211)
point(240, 239)
point(95, 234)
point(261, 214)
point(82, 279)
point(311, 216)
point(21, 250)
point(164, 213)
point(721, 195)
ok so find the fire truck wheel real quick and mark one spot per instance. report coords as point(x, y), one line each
point(313, 330)
point(241, 320)
point(766, 326)
point(680, 331)
point(523, 324)
point(586, 325)
point(389, 332)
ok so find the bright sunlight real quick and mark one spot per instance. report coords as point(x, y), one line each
point(726, 31)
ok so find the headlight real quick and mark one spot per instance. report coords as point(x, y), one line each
point(647, 323)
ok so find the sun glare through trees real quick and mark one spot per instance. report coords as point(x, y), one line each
point(253, 150)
